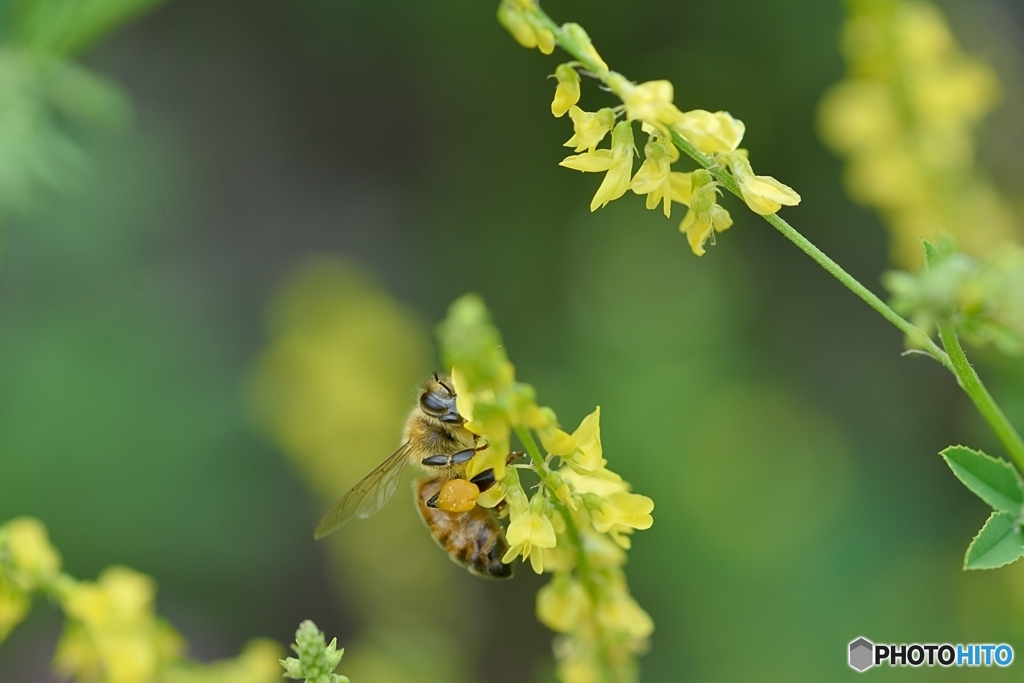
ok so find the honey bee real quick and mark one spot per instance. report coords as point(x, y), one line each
point(436, 440)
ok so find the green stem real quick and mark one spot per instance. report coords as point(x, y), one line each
point(914, 333)
point(972, 385)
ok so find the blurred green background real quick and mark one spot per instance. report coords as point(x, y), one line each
point(408, 150)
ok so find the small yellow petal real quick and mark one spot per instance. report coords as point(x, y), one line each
point(590, 162)
point(557, 442)
point(763, 194)
point(711, 132)
point(588, 437)
point(567, 93)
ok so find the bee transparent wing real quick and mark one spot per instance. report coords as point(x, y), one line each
point(368, 496)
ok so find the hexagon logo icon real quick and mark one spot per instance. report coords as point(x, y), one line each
point(861, 651)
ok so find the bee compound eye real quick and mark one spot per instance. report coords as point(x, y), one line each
point(433, 403)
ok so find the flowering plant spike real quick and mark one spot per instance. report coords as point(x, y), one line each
point(578, 522)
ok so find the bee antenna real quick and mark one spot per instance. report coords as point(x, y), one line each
point(436, 378)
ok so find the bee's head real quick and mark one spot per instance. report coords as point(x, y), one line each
point(437, 399)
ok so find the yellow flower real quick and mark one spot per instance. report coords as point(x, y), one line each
point(589, 128)
point(567, 93)
point(120, 596)
point(617, 161)
point(650, 102)
point(619, 612)
point(654, 176)
point(705, 216)
point(14, 606)
point(682, 187)
point(600, 482)
point(561, 604)
point(529, 533)
point(710, 133)
point(35, 562)
point(622, 512)
point(113, 633)
point(513, 15)
point(590, 455)
point(763, 194)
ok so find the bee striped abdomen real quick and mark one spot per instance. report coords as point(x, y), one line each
point(473, 539)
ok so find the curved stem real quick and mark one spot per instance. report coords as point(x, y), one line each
point(972, 385)
point(914, 333)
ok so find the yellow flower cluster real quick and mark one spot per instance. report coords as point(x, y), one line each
point(716, 135)
point(578, 523)
point(28, 564)
point(112, 634)
point(904, 117)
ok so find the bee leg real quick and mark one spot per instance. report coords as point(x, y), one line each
point(462, 456)
point(484, 480)
point(432, 501)
point(436, 461)
point(513, 456)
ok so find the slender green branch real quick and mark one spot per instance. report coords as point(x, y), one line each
point(850, 282)
point(973, 386)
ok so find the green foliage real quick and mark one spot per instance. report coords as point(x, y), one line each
point(991, 479)
point(997, 483)
point(985, 300)
point(316, 662)
point(65, 27)
point(47, 102)
point(997, 544)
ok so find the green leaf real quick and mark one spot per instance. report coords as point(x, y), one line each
point(998, 543)
point(67, 26)
point(991, 479)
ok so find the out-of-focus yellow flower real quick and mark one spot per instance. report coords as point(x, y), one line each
point(561, 604)
point(14, 607)
point(706, 216)
point(617, 162)
point(904, 117)
point(763, 194)
point(567, 92)
point(711, 133)
point(589, 128)
point(619, 612)
point(257, 663)
point(514, 16)
point(579, 670)
point(114, 636)
point(529, 533)
point(34, 563)
point(620, 513)
point(654, 178)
